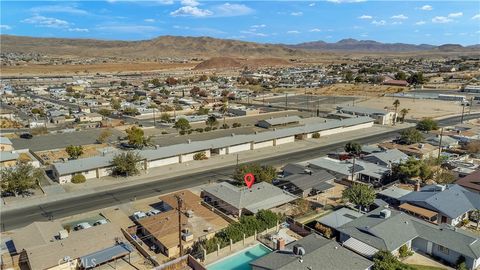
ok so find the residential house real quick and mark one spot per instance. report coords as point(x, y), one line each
point(417, 150)
point(316, 253)
point(90, 117)
point(237, 201)
point(8, 159)
point(382, 117)
point(279, 121)
point(308, 183)
point(451, 203)
point(470, 182)
point(339, 217)
point(392, 195)
point(445, 141)
point(388, 229)
point(47, 245)
point(386, 158)
point(198, 221)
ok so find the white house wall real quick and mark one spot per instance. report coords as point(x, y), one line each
point(262, 144)
point(239, 148)
point(285, 140)
point(163, 162)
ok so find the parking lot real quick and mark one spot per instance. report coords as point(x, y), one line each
point(309, 102)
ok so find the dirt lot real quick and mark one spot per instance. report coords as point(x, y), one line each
point(89, 150)
point(419, 108)
point(26, 70)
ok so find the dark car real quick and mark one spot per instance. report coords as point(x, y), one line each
point(26, 136)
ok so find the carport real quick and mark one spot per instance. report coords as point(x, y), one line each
point(107, 255)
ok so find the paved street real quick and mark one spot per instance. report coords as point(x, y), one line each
point(74, 205)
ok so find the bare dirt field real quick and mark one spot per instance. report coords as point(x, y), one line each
point(419, 108)
point(26, 70)
point(346, 89)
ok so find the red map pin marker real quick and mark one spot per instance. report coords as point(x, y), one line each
point(249, 179)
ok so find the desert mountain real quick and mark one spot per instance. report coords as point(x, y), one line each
point(354, 45)
point(203, 47)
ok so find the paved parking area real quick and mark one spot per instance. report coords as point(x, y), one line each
point(62, 140)
point(309, 101)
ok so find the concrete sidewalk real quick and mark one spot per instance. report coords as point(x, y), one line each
point(108, 183)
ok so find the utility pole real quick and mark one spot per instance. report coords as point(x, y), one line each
point(470, 106)
point(463, 111)
point(154, 123)
point(237, 160)
point(179, 210)
point(286, 101)
point(440, 144)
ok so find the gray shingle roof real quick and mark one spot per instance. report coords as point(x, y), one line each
point(340, 217)
point(452, 202)
point(261, 196)
point(320, 254)
point(391, 233)
point(385, 157)
point(73, 166)
point(7, 156)
point(394, 192)
point(306, 181)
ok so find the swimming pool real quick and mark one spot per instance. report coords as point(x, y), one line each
point(241, 260)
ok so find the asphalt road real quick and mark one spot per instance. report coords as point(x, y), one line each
point(75, 205)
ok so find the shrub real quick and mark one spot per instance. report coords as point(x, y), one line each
point(190, 131)
point(200, 156)
point(464, 222)
point(236, 125)
point(207, 129)
point(164, 132)
point(316, 135)
point(199, 130)
point(327, 232)
point(182, 132)
point(225, 126)
point(214, 128)
point(404, 251)
point(78, 179)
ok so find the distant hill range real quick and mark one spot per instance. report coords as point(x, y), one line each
point(205, 47)
point(353, 45)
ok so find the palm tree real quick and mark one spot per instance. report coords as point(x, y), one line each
point(354, 149)
point(224, 110)
point(396, 103)
point(403, 113)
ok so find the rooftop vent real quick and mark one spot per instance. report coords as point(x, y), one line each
point(385, 213)
point(299, 250)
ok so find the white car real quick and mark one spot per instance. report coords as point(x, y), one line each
point(139, 215)
point(100, 222)
point(153, 212)
point(82, 226)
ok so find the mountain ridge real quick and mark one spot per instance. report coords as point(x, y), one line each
point(185, 46)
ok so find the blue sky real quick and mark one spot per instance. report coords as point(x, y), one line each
point(432, 22)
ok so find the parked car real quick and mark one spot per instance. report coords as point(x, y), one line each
point(153, 212)
point(100, 222)
point(26, 136)
point(139, 215)
point(82, 226)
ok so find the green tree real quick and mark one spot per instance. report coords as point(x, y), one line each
point(78, 179)
point(400, 76)
point(403, 113)
point(410, 136)
point(126, 164)
point(261, 173)
point(427, 124)
point(182, 124)
point(408, 169)
point(115, 103)
point(200, 156)
point(156, 82)
point(396, 103)
point(20, 178)
point(74, 151)
point(123, 83)
point(349, 76)
point(104, 135)
point(444, 177)
point(132, 111)
point(384, 260)
point(360, 195)
point(211, 121)
point(165, 117)
point(404, 252)
point(136, 137)
point(202, 110)
point(416, 78)
point(105, 112)
point(354, 149)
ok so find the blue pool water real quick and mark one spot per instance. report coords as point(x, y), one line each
point(241, 260)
